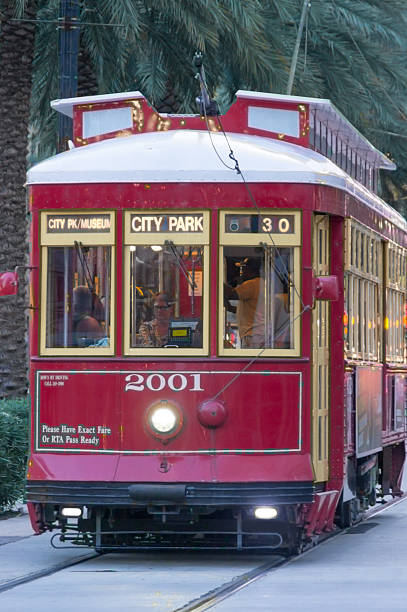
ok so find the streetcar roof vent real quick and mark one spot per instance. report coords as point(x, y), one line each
point(66, 106)
point(311, 123)
point(325, 128)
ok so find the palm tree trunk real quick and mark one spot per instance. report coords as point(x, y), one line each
point(16, 53)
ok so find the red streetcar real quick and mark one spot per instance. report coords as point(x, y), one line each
point(217, 342)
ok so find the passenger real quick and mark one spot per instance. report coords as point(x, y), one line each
point(98, 308)
point(86, 329)
point(155, 332)
point(146, 334)
point(250, 308)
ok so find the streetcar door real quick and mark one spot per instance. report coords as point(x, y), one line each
point(320, 354)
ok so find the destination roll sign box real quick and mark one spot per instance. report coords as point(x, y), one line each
point(74, 224)
point(166, 223)
point(259, 224)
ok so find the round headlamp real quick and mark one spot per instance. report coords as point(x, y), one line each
point(164, 419)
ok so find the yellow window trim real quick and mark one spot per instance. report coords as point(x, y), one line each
point(189, 238)
point(248, 239)
point(278, 240)
point(74, 351)
point(146, 238)
point(353, 249)
point(90, 238)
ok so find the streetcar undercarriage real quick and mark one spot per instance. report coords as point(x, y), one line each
point(161, 517)
point(174, 527)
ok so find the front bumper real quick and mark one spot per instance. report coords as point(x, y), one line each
point(128, 494)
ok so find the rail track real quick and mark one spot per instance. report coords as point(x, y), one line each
point(227, 589)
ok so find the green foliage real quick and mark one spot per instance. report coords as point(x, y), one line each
point(360, 51)
point(14, 419)
point(148, 45)
point(354, 53)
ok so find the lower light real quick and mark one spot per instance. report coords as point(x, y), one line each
point(265, 512)
point(71, 512)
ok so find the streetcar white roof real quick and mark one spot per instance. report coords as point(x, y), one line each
point(189, 156)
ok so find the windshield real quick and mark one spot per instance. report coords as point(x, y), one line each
point(166, 296)
point(258, 309)
point(78, 297)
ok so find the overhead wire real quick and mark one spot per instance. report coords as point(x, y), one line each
point(291, 283)
point(261, 215)
point(256, 357)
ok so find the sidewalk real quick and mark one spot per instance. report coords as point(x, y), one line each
point(18, 526)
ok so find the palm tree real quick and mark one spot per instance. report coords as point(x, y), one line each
point(148, 45)
point(16, 53)
point(352, 52)
point(357, 51)
point(124, 44)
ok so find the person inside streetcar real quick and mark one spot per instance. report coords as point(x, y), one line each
point(155, 332)
point(261, 312)
point(86, 328)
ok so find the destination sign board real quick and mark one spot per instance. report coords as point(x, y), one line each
point(166, 223)
point(78, 224)
point(259, 224)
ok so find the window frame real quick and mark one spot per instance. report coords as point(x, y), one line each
point(145, 239)
point(395, 303)
point(276, 240)
point(363, 278)
point(62, 240)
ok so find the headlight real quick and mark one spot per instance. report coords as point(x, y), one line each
point(164, 419)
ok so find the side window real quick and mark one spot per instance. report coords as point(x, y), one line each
point(395, 304)
point(363, 293)
point(260, 276)
point(167, 278)
point(76, 313)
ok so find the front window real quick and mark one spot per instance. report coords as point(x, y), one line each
point(76, 314)
point(167, 259)
point(258, 300)
point(166, 296)
point(259, 263)
point(78, 297)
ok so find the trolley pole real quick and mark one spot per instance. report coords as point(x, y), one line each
point(68, 48)
point(306, 5)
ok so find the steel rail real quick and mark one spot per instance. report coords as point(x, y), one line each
point(381, 507)
point(206, 601)
point(214, 597)
point(47, 571)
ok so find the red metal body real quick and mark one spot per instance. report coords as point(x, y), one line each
point(89, 414)
point(279, 413)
